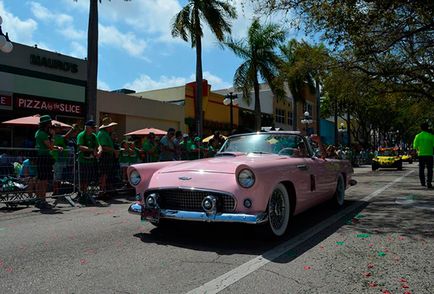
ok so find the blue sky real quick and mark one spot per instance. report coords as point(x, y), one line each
point(136, 49)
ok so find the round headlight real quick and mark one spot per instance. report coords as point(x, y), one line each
point(246, 178)
point(135, 178)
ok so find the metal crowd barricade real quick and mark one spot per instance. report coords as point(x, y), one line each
point(19, 182)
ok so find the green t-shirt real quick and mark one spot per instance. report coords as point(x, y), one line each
point(152, 156)
point(89, 141)
point(59, 140)
point(124, 156)
point(41, 136)
point(424, 143)
point(104, 139)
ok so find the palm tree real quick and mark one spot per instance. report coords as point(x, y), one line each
point(188, 26)
point(301, 67)
point(260, 60)
point(92, 58)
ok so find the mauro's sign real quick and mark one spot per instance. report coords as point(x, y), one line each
point(48, 105)
point(53, 63)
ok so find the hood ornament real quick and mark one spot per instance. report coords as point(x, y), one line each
point(184, 178)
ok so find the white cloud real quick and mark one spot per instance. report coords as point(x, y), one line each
point(20, 31)
point(215, 81)
point(109, 35)
point(145, 82)
point(101, 85)
point(63, 22)
point(78, 50)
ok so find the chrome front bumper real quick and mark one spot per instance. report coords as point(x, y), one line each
point(137, 209)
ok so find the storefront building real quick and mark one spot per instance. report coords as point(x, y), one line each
point(216, 115)
point(133, 113)
point(35, 81)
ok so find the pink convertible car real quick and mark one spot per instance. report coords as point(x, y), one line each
point(257, 178)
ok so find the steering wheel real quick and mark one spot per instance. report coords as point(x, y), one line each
point(286, 151)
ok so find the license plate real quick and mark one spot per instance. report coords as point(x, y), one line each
point(153, 214)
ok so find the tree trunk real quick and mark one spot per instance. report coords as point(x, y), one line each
point(294, 112)
point(92, 60)
point(199, 79)
point(257, 103)
point(336, 120)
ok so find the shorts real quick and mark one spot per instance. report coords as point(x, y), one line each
point(44, 167)
point(59, 168)
point(88, 172)
point(105, 164)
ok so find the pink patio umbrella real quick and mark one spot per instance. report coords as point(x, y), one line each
point(146, 131)
point(32, 121)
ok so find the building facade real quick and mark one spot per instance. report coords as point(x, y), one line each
point(35, 81)
point(134, 113)
point(216, 115)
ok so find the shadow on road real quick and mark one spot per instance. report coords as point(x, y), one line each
point(228, 239)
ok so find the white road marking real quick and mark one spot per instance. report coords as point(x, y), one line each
point(233, 276)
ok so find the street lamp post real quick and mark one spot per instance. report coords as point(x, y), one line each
point(231, 99)
point(306, 121)
point(5, 44)
point(342, 130)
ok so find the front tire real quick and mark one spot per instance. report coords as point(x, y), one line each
point(338, 199)
point(279, 211)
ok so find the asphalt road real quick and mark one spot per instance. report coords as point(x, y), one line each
point(381, 241)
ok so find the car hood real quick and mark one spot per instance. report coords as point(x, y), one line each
point(225, 163)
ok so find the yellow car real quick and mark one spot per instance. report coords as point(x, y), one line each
point(387, 158)
point(407, 158)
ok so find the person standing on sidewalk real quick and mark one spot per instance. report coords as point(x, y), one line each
point(424, 145)
point(107, 154)
point(87, 156)
point(44, 161)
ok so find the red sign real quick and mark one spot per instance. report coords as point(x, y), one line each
point(43, 105)
point(5, 100)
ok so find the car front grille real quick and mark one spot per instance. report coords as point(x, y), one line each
point(191, 200)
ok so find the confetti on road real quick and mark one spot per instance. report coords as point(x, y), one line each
point(407, 292)
point(386, 292)
point(381, 253)
point(367, 274)
point(403, 280)
point(405, 286)
point(401, 238)
point(372, 284)
point(363, 236)
point(307, 267)
point(340, 243)
point(370, 265)
point(83, 261)
point(370, 245)
point(9, 269)
point(1, 263)
point(359, 216)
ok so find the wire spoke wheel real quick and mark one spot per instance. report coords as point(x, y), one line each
point(279, 210)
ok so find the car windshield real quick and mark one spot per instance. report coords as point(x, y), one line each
point(282, 144)
point(387, 152)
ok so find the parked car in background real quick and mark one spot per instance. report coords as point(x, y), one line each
point(406, 157)
point(260, 178)
point(387, 158)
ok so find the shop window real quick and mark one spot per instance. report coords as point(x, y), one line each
point(280, 116)
point(290, 118)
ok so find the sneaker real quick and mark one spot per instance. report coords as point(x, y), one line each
point(429, 186)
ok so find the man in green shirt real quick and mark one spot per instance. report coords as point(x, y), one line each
point(60, 157)
point(150, 148)
point(44, 160)
point(87, 157)
point(424, 144)
point(107, 153)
